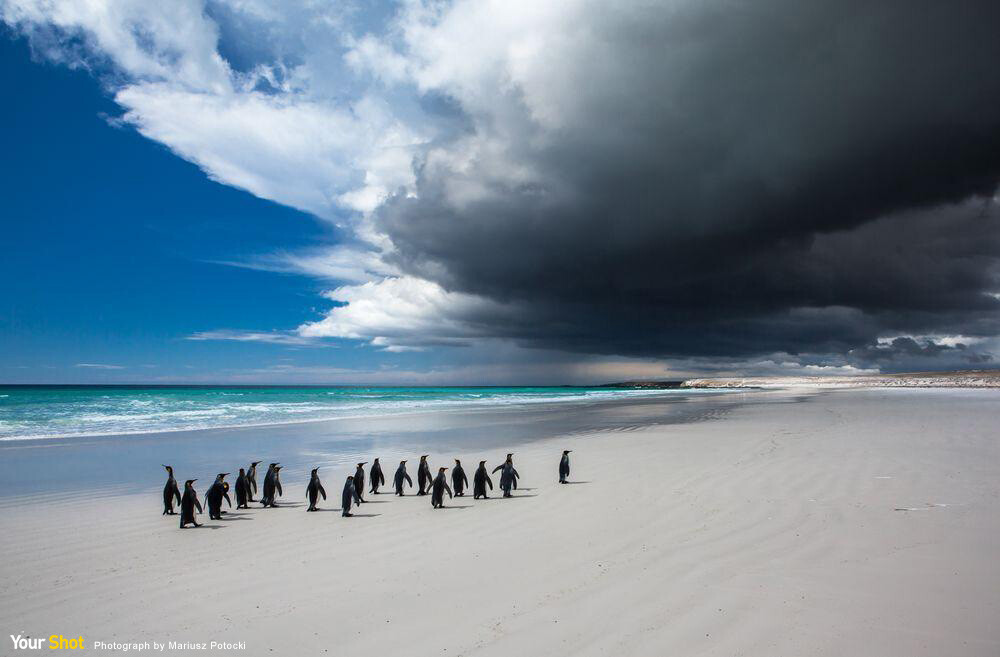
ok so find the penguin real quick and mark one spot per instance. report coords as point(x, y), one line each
point(214, 496)
point(243, 490)
point(424, 477)
point(458, 479)
point(272, 483)
point(359, 481)
point(188, 504)
point(480, 480)
point(252, 480)
point(170, 491)
point(440, 486)
point(314, 490)
point(508, 475)
point(349, 495)
point(564, 466)
point(400, 476)
point(376, 477)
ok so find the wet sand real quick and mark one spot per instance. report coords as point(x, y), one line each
point(861, 522)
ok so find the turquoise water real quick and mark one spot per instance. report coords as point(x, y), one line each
point(28, 412)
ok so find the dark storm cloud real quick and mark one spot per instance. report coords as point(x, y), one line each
point(910, 351)
point(737, 179)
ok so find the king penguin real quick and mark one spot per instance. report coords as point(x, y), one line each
point(439, 487)
point(242, 490)
point(349, 495)
point(170, 492)
point(480, 480)
point(400, 477)
point(359, 481)
point(214, 496)
point(424, 477)
point(564, 466)
point(376, 477)
point(188, 504)
point(252, 480)
point(314, 490)
point(458, 479)
point(508, 475)
point(272, 483)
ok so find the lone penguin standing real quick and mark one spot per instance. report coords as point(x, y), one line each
point(439, 488)
point(479, 482)
point(349, 495)
point(170, 492)
point(424, 477)
point(400, 477)
point(376, 476)
point(564, 466)
point(458, 479)
point(189, 503)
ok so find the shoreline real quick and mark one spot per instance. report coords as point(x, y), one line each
point(107, 461)
point(757, 528)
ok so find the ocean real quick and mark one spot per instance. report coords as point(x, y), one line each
point(63, 440)
point(36, 412)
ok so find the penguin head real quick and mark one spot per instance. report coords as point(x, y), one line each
point(457, 462)
point(566, 451)
point(350, 477)
point(169, 469)
point(189, 482)
point(314, 471)
point(403, 462)
point(221, 476)
point(277, 467)
point(255, 464)
point(362, 463)
point(424, 457)
point(482, 463)
point(242, 472)
point(375, 461)
point(442, 470)
point(509, 457)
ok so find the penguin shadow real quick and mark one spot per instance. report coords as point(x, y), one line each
point(285, 505)
point(455, 506)
point(364, 515)
point(316, 510)
point(522, 488)
point(235, 517)
point(577, 482)
point(375, 502)
point(205, 525)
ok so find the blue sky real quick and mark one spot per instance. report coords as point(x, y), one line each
point(116, 253)
point(110, 246)
point(274, 191)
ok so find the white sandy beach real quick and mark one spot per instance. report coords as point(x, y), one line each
point(773, 529)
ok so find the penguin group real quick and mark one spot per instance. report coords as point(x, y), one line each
point(354, 487)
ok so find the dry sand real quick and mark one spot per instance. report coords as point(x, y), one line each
point(773, 529)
